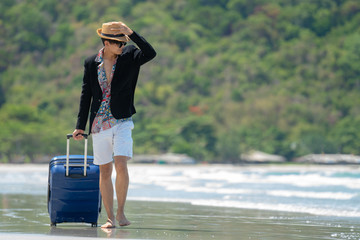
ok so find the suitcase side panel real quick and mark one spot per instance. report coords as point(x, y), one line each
point(75, 198)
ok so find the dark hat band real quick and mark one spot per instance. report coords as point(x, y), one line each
point(112, 35)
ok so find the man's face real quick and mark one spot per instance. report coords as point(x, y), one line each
point(115, 46)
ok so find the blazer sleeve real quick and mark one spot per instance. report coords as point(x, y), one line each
point(85, 99)
point(146, 51)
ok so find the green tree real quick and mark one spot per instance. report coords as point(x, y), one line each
point(29, 27)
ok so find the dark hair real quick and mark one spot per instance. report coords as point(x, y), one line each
point(109, 40)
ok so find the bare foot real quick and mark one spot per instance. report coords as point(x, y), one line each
point(122, 220)
point(109, 224)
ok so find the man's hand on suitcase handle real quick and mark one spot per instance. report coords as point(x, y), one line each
point(78, 134)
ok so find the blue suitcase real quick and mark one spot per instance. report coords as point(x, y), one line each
point(73, 188)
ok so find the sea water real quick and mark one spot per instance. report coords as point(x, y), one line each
point(319, 190)
point(330, 191)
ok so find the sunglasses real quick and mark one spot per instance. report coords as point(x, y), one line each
point(120, 44)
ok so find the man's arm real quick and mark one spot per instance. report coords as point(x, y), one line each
point(146, 52)
point(84, 107)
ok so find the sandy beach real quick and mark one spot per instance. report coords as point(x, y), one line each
point(154, 220)
point(199, 202)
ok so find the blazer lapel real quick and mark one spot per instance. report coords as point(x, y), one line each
point(95, 79)
point(117, 80)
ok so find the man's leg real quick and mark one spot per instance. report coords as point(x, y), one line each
point(121, 187)
point(107, 193)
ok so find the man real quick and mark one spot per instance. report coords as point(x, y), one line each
point(108, 88)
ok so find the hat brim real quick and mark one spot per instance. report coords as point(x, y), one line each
point(124, 38)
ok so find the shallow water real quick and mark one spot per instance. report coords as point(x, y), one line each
point(200, 202)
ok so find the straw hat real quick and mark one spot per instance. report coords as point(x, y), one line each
point(106, 32)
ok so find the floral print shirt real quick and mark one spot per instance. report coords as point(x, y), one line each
point(104, 119)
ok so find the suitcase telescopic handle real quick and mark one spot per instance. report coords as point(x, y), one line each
point(83, 134)
point(68, 136)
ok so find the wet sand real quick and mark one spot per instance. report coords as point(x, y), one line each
point(26, 217)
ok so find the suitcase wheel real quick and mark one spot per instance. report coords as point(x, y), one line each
point(53, 224)
point(94, 225)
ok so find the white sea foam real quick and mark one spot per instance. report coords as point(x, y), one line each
point(318, 195)
point(279, 207)
point(258, 206)
point(315, 180)
point(237, 175)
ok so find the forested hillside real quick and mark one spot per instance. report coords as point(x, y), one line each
point(279, 76)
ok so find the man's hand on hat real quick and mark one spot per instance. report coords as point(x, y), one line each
point(122, 28)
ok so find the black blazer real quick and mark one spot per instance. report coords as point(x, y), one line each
point(122, 86)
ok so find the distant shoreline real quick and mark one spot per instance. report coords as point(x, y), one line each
point(254, 157)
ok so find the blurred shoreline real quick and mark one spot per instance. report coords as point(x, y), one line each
point(252, 157)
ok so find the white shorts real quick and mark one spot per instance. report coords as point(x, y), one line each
point(116, 141)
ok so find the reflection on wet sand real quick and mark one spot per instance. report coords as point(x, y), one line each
point(115, 233)
point(74, 231)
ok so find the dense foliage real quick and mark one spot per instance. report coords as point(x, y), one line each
point(280, 76)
